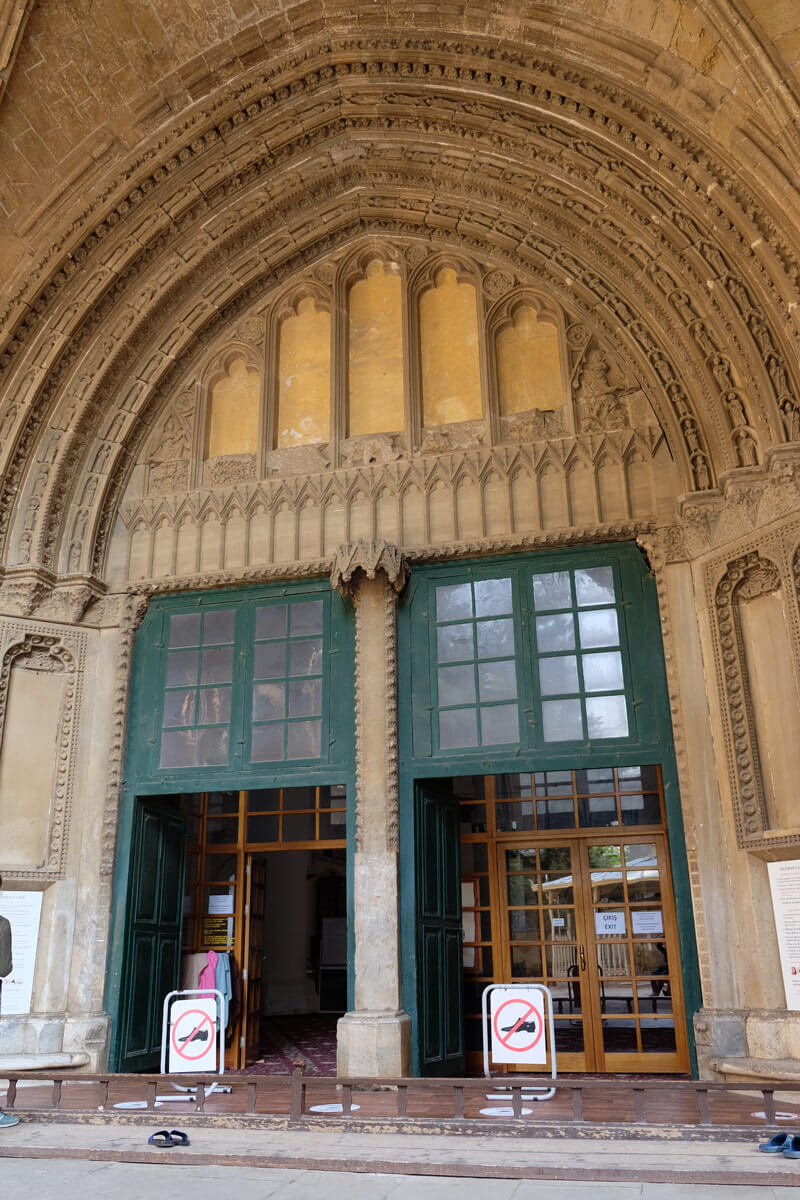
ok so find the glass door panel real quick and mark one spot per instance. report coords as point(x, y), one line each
point(542, 934)
point(633, 952)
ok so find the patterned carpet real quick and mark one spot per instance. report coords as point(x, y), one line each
point(312, 1036)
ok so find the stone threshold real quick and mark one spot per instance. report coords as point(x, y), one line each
point(775, 1070)
point(42, 1062)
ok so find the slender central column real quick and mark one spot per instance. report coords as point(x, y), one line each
point(374, 1039)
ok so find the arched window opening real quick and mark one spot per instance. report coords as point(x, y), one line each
point(304, 376)
point(529, 366)
point(233, 410)
point(375, 366)
point(449, 354)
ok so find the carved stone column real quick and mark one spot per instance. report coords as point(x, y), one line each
point(374, 1039)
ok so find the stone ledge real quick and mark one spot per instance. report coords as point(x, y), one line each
point(771, 1070)
point(42, 1062)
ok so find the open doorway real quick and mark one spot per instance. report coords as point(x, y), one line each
point(252, 887)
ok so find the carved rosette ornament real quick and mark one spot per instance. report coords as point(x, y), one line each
point(746, 578)
point(368, 558)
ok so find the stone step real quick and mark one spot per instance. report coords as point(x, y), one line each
point(42, 1062)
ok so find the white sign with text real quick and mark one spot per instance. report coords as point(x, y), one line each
point(784, 882)
point(24, 912)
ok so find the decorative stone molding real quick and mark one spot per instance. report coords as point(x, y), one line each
point(747, 577)
point(229, 468)
point(61, 651)
point(368, 559)
point(747, 501)
point(28, 592)
point(374, 448)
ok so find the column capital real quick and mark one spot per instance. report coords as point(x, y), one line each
point(362, 558)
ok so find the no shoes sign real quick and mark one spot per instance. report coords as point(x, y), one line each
point(517, 1021)
point(192, 1034)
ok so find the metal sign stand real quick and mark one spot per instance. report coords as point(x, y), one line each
point(528, 1093)
point(187, 1093)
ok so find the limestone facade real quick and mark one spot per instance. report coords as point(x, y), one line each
point(177, 182)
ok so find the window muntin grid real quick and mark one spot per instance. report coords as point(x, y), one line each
point(476, 672)
point(578, 651)
point(287, 681)
point(196, 711)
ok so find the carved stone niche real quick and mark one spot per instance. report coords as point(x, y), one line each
point(40, 680)
point(757, 665)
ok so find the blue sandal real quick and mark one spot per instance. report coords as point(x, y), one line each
point(775, 1144)
point(179, 1138)
point(162, 1137)
point(792, 1147)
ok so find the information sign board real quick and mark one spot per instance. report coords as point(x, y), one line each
point(24, 911)
point(784, 882)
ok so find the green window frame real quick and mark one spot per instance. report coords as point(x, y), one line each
point(238, 685)
point(557, 672)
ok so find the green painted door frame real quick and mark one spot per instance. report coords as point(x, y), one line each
point(143, 780)
point(651, 740)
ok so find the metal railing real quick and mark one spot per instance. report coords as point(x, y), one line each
point(443, 1103)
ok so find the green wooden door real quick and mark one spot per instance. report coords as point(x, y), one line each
point(153, 935)
point(439, 933)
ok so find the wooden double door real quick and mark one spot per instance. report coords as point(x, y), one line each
point(592, 917)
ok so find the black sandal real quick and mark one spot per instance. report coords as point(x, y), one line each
point(179, 1138)
point(162, 1137)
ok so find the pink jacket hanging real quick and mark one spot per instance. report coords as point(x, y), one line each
point(208, 975)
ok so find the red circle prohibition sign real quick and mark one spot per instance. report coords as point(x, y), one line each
point(505, 1040)
point(204, 1045)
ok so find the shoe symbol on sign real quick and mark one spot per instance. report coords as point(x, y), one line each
point(197, 1035)
point(523, 1027)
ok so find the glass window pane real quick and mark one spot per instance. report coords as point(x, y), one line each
point(512, 786)
point(178, 748)
point(495, 638)
point(454, 602)
point(299, 827)
point(456, 685)
point(458, 727)
point(638, 779)
point(215, 706)
point(264, 800)
point(595, 780)
point(305, 739)
point(269, 660)
point(640, 854)
point(553, 783)
point(650, 958)
point(492, 597)
point(332, 825)
point(522, 889)
point(305, 698)
point(181, 667)
point(179, 707)
point(217, 665)
point(619, 1037)
point(334, 796)
point(526, 963)
point(513, 815)
point(598, 627)
point(605, 856)
point(558, 675)
point(658, 1037)
point(613, 960)
point(555, 632)
point(218, 626)
point(594, 585)
point(552, 590)
point(597, 811)
point(454, 642)
point(305, 658)
point(299, 797)
point(212, 747)
point(269, 701)
point(267, 743)
point(607, 717)
point(472, 818)
point(640, 810)
point(499, 725)
point(555, 858)
point(555, 814)
point(223, 802)
point(220, 868)
point(523, 924)
point(602, 672)
point(561, 720)
point(184, 630)
point(497, 681)
point(306, 617)
point(271, 621)
point(262, 829)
